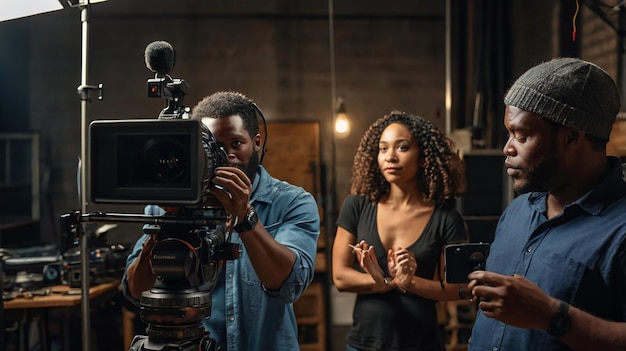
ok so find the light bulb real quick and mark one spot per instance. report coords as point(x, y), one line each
point(342, 125)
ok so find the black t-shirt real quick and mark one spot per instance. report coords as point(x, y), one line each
point(395, 320)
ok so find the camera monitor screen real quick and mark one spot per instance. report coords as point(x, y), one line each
point(146, 161)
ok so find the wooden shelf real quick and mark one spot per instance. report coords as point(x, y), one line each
point(460, 320)
point(310, 315)
point(311, 347)
point(308, 320)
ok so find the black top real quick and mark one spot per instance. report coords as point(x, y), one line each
point(396, 320)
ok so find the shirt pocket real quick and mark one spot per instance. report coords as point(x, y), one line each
point(557, 274)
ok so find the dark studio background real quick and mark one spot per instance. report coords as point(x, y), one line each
point(387, 55)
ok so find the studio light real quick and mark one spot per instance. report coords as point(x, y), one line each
point(12, 9)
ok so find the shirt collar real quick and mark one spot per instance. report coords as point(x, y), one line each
point(262, 187)
point(609, 189)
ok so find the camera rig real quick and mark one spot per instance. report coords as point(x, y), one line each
point(191, 248)
point(167, 162)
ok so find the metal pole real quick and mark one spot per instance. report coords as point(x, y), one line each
point(84, 240)
point(621, 58)
point(333, 96)
point(448, 97)
point(331, 198)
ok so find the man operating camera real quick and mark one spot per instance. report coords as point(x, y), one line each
point(277, 224)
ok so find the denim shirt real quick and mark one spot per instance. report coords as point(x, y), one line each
point(246, 316)
point(576, 257)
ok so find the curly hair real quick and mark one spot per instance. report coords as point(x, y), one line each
point(228, 103)
point(443, 176)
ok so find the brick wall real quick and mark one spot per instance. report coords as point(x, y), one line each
point(277, 52)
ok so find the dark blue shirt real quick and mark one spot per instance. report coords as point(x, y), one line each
point(577, 256)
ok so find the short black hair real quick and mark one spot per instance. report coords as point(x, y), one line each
point(227, 103)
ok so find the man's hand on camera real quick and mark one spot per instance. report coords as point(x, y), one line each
point(234, 190)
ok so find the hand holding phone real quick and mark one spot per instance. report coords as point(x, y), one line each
point(462, 259)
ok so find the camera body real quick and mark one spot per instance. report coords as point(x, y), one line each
point(147, 161)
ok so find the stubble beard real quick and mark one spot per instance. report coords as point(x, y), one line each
point(538, 177)
point(250, 168)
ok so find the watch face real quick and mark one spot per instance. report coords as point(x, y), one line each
point(253, 218)
point(249, 222)
point(560, 322)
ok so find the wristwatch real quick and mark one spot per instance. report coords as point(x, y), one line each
point(248, 222)
point(560, 322)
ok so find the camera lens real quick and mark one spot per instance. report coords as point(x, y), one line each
point(164, 159)
point(477, 260)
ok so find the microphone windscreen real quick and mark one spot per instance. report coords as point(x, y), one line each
point(160, 57)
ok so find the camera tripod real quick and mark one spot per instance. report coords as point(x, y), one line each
point(187, 260)
point(161, 308)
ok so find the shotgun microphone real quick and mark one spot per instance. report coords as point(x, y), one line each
point(160, 57)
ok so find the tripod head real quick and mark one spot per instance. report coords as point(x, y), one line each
point(187, 260)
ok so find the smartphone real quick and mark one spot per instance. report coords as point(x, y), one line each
point(462, 259)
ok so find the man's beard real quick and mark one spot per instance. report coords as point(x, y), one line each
point(251, 168)
point(538, 177)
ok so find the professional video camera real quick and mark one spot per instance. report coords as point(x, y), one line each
point(167, 162)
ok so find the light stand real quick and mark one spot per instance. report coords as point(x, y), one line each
point(84, 91)
point(18, 9)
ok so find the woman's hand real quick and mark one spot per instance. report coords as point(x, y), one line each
point(391, 263)
point(367, 259)
point(402, 266)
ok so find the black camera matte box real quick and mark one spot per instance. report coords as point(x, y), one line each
point(146, 161)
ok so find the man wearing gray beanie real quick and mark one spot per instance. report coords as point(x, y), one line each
point(555, 278)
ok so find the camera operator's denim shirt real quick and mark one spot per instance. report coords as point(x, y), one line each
point(245, 316)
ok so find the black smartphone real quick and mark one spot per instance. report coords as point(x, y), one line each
point(462, 259)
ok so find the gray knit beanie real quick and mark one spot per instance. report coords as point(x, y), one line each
point(571, 92)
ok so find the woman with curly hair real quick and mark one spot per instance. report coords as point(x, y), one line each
point(391, 232)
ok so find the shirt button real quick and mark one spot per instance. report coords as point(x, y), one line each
point(495, 348)
point(232, 319)
point(529, 250)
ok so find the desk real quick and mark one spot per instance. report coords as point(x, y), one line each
point(58, 298)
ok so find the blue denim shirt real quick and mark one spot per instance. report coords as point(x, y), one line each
point(576, 257)
point(245, 316)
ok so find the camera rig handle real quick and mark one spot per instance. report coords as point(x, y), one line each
point(70, 222)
